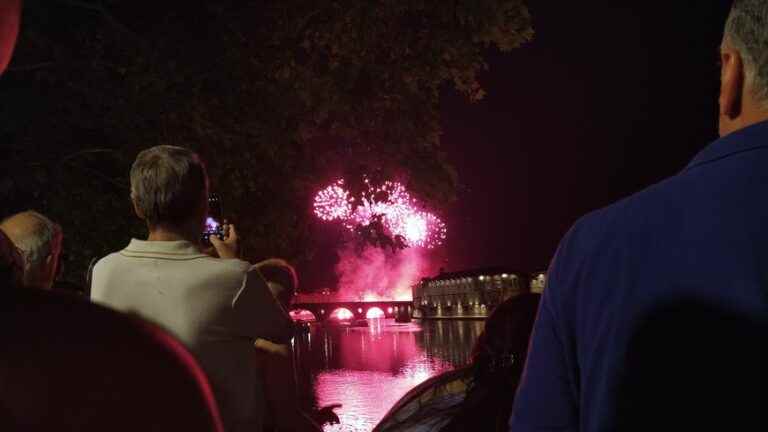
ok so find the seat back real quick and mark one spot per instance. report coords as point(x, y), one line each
point(68, 364)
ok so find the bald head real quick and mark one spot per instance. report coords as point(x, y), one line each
point(39, 240)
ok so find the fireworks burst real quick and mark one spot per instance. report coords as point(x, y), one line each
point(334, 202)
point(401, 214)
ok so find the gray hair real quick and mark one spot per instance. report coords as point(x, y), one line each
point(168, 184)
point(747, 31)
point(41, 241)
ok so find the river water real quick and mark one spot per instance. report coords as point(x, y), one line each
point(367, 369)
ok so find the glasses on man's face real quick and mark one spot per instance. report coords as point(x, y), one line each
point(19, 263)
point(60, 266)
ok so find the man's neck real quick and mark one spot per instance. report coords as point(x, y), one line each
point(751, 114)
point(161, 233)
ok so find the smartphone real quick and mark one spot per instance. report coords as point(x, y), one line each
point(213, 222)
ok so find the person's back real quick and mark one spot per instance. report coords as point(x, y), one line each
point(195, 297)
point(677, 241)
point(218, 307)
point(188, 292)
point(697, 238)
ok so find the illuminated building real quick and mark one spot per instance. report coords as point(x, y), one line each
point(538, 280)
point(465, 294)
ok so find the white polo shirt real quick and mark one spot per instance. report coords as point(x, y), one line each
point(217, 307)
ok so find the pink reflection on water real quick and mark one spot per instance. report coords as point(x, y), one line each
point(379, 365)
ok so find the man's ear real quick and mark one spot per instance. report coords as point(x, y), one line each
point(731, 83)
point(137, 209)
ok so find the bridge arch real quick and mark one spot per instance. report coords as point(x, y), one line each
point(341, 314)
point(302, 315)
point(359, 310)
point(374, 312)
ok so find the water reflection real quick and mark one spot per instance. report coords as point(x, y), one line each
point(367, 369)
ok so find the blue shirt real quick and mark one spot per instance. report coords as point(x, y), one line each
point(702, 234)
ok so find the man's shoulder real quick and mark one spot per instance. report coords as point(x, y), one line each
point(201, 264)
point(623, 224)
point(224, 266)
point(633, 211)
point(106, 262)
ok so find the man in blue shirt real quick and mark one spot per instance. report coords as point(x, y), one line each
point(636, 289)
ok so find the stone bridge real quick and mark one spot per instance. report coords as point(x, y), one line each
point(391, 309)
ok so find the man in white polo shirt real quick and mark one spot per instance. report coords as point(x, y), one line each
point(216, 306)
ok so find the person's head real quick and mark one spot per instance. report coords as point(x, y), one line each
point(498, 360)
point(744, 72)
point(10, 12)
point(501, 349)
point(169, 189)
point(11, 267)
point(281, 278)
point(39, 240)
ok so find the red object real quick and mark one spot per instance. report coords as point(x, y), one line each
point(10, 14)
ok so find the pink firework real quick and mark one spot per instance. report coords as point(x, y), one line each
point(400, 213)
point(418, 228)
point(333, 202)
point(436, 231)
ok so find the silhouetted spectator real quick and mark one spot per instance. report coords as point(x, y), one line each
point(277, 361)
point(699, 237)
point(478, 397)
point(67, 364)
point(217, 306)
point(39, 239)
point(281, 278)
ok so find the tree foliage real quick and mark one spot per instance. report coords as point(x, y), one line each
point(278, 96)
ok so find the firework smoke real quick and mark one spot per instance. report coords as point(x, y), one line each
point(378, 274)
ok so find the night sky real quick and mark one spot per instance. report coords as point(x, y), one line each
point(603, 103)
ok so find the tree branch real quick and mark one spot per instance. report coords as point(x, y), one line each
point(67, 158)
point(30, 67)
point(106, 178)
point(104, 12)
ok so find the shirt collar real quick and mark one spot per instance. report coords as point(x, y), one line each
point(173, 250)
point(749, 138)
